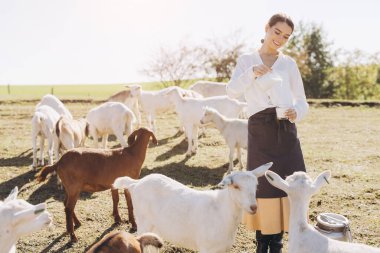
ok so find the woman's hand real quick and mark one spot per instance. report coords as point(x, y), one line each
point(291, 114)
point(259, 70)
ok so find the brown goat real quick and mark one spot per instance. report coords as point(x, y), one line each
point(93, 170)
point(123, 242)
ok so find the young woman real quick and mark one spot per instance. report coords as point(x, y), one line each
point(269, 80)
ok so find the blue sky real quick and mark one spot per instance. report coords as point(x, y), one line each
point(109, 41)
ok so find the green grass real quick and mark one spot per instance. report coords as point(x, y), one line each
point(80, 91)
point(344, 140)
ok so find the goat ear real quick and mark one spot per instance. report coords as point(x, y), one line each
point(321, 180)
point(275, 180)
point(135, 90)
point(155, 142)
point(259, 171)
point(87, 129)
point(12, 195)
point(226, 181)
point(132, 138)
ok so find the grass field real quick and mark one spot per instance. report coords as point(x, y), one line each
point(79, 91)
point(344, 140)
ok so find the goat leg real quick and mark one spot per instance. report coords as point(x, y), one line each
point(70, 201)
point(77, 223)
point(115, 200)
point(131, 217)
point(69, 225)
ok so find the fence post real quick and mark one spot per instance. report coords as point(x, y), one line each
point(9, 89)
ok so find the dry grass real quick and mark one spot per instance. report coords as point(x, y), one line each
point(344, 140)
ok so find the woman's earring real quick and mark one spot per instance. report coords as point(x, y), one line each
point(262, 41)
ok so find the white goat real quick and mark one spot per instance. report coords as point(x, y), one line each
point(190, 112)
point(211, 89)
point(110, 118)
point(150, 102)
point(43, 124)
point(206, 221)
point(19, 218)
point(70, 133)
point(304, 238)
point(56, 104)
point(130, 97)
point(234, 131)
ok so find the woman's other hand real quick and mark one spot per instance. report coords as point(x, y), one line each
point(291, 114)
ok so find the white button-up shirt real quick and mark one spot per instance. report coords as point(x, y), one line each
point(290, 93)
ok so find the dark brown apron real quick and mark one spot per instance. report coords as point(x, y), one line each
point(272, 140)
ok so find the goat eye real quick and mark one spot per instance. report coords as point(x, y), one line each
point(236, 187)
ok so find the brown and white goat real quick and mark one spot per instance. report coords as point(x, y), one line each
point(70, 133)
point(93, 170)
point(123, 242)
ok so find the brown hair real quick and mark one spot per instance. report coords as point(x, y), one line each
point(281, 17)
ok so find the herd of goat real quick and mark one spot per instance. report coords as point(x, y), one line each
point(205, 221)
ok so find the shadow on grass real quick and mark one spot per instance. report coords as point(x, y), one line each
point(167, 139)
point(56, 240)
point(178, 149)
point(23, 159)
point(195, 176)
point(19, 181)
point(50, 189)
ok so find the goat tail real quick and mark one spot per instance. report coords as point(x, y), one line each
point(123, 182)
point(150, 239)
point(41, 176)
point(58, 127)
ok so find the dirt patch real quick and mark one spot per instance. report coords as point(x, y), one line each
point(341, 139)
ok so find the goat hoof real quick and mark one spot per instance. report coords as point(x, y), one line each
point(117, 220)
point(74, 239)
point(77, 225)
point(132, 229)
point(188, 155)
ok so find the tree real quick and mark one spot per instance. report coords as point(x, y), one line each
point(174, 66)
point(356, 76)
point(220, 55)
point(311, 51)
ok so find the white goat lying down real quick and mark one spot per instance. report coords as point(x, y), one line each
point(304, 238)
point(110, 118)
point(234, 131)
point(149, 102)
point(56, 104)
point(199, 220)
point(190, 112)
point(43, 124)
point(19, 218)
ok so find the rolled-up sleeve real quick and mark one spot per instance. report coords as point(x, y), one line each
point(299, 98)
point(241, 79)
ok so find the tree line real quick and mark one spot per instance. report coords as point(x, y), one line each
point(326, 73)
